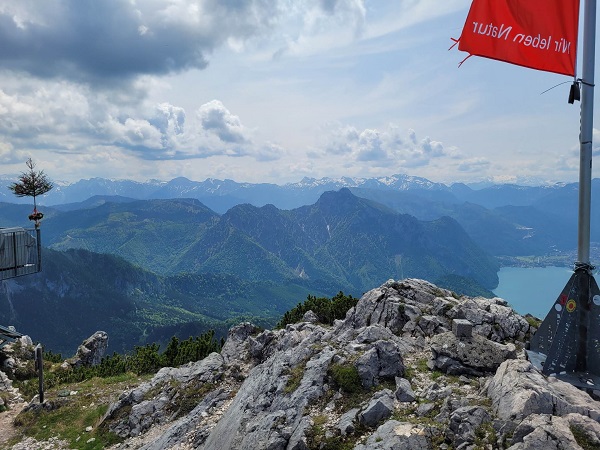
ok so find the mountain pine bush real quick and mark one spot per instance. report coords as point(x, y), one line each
point(326, 309)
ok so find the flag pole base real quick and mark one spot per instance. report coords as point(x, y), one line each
point(567, 343)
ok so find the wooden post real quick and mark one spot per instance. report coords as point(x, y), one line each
point(39, 365)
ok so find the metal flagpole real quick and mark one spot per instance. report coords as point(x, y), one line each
point(587, 127)
point(567, 344)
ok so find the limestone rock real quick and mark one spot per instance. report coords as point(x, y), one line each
point(298, 439)
point(90, 352)
point(381, 361)
point(404, 392)
point(311, 317)
point(542, 432)
point(7, 390)
point(157, 401)
point(465, 421)
point(397, 435)
point(235, 347)
point(434, 392)
point(379, 408)
point(266, 411)
point(346, 422)
point(491, 318)
point(517, 390)
point(472, 356)
point(267, 388)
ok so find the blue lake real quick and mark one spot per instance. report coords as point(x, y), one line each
point(532, 290)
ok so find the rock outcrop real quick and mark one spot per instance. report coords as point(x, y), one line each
point(90, 352)
point(392, 374)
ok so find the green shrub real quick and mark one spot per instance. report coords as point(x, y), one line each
point(326, 309)
point(53, 357)
point(346, 377)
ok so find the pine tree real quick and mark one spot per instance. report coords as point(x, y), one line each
point(32, 183)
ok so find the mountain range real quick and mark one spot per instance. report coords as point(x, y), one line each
point(221, 195)
point(340, 242)
point(505, 220)
point(145, 262)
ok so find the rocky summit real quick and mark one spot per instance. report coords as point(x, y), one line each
point(412, 366)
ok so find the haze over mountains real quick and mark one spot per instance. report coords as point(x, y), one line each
point(145, 261)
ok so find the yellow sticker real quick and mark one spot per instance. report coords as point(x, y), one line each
point(571, 305)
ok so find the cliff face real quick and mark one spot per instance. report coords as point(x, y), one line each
point(390, 375)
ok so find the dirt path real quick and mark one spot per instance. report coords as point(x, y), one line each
point(7, 429)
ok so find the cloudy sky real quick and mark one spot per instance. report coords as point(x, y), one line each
point(270, 91)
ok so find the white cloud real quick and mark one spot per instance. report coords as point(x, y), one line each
point(387, 147)
point(132, 133)
point(216, 119)
point(125, 86)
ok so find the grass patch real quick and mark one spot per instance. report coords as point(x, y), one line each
point(533, 321)
point(485, 435)
point(68, 422)
point(583, 440)
point(191, 396)
point(316, 437)
point(68, 417)
point(295, 378)
point(420, 366)
point(484, 402)
point(435, 374)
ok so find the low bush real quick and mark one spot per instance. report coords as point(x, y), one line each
point(346, 378)
point(326, 309)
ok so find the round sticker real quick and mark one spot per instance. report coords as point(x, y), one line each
point(571, 305)
point(558, 307)
point(563, 299)
point(597, 300)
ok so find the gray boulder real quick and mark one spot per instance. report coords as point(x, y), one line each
point(8, 392)
point(491, 318)
point(404, 392)
point(269, 407)
point(397, 435)
point(434, 392)
point(90, 352)
point(425, 409)
point(395, 303)
point(346, 423)
point(518, 390)
point(469, 356)
point(374, 333)
point(380, 407)
point(381, 361)
point(310, 316)
point(464, 422)
point(235, 348)
point(547, 432)
point(431, 325)
point(194, 426)
point(298, 439)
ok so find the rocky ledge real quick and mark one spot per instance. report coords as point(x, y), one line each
point(392, 375)
point(412, 366)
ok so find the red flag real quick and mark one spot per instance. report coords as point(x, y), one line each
point(540, 34)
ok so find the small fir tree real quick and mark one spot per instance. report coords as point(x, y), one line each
point(32, 183)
